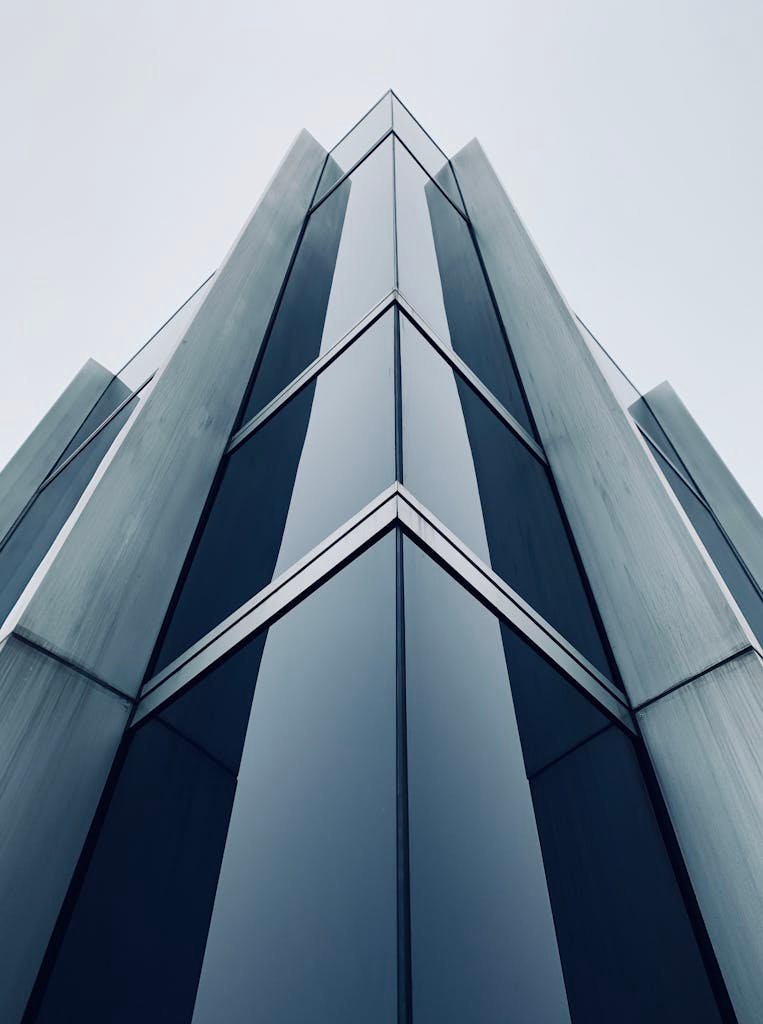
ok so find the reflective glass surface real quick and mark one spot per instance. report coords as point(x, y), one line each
point(483, 946)
point(628, 949)
point(316, 462)
point(464, 464)
point(246, 864)
point(418, 277)
point(295, 338)
point(541, 888)
point(134, 944)
point(28, 543)
point(357, 142)
point(304, 923)
point(475, 332)
point(723, 555)
point(364, 271)
point(432, 158)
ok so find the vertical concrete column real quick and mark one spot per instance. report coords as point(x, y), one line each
point(685, 653)
point(81, 641)
point(736, 513)
point(27, 469)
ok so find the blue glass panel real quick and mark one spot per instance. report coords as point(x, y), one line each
point(476, 334)
point(482, 937)
point(248, 850)
point(426, 151)
point(418, 276)
point(525, 801)
point(472, 472)
point(134, 944)
point(356, 143)
point(628, 949)
point(323, 456)
point(295, 338)
point(365, 270)
point(723, 555)
point(304, 923)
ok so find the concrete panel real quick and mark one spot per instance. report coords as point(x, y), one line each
point(103, 599)
point(58, 735)
point(665, 611)
point(668, 615)
point(736, 513)
point(38, 454)
point(705, 743)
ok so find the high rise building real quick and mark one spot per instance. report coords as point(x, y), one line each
point(372, 651)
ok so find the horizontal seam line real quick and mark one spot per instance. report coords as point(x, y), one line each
point(697, 675)
point(72, 665)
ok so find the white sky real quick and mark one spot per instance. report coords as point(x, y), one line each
point(138, 136)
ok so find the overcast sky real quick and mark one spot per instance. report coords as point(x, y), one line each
point(138, 136)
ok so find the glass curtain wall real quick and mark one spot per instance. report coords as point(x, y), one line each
point(319, 436)
point(385, 806)
point(383, 803)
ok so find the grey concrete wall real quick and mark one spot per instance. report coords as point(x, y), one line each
point(83, 637)
point(667, 613)
point(27, 469)
point(736, 513)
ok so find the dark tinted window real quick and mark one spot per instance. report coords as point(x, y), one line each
point(304, 923)
point(364, 271)
point(323, 456)
point(295, 338)
point(527, 802)
point(482, 935)
point(251, 845)
point(465, 464)
point(628, 950)
point(475, 332)
point(135, 942)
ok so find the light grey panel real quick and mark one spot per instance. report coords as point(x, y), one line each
point(58, 736)
point(665, 611)
point(103, 599)
point(705, 743)
point(38, 454)
point(736, 513)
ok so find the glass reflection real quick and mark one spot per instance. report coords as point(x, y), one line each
point(482, 935)
point(475, 332)
point(364, 271)
point(133, 947)
point(304, 922)
point(426, 151)
point(295, 338)
point(520, 792)
point(465, 465)
point(246, 862)
point(418, 278)
point(357, 143)
point(628, 949)
point(316, 462)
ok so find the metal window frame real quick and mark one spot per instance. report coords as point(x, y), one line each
point(394, 507)
point(323, 196)
point(393, 299)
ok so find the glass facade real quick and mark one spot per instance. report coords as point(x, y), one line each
point(382, 768)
